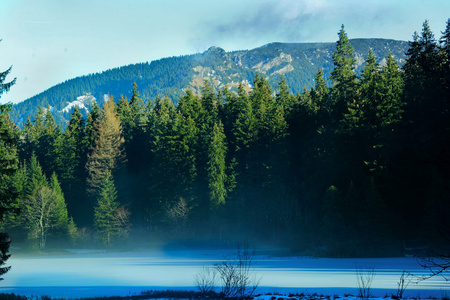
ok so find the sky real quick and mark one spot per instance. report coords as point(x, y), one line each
point(50, 41)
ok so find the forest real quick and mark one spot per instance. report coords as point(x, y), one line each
point(352, 167)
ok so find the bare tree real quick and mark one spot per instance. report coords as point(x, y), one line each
point(364, 279)
point(237, 275)
point(177, 216)
point(206, 280)
point(402, 284)
point(437, 261)
point(437, 264)
point(40, 213)
point(122, 221)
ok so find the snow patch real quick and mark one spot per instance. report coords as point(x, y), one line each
point(83, 102)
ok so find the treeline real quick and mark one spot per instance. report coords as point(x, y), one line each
point(350, 169)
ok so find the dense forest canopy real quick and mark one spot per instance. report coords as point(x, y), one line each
point(348, 169)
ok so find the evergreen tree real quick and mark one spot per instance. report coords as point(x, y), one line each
point(126, 116)
point(35, 177)
point(216, 168)
point(60, 213)
point(137, 107)
point(390, 108)
point(343, 75)
point(284, 98)
point(161, 179)
point(105, 211)
point(106, 153)
point(71, 156)
point(8, 166)
point(8, 158)
point(209, 103)
point(422, 78)
point(319, 93)
point(5, 86)
point(50, 135)
point(4, 256)
point(191, 107)
point(92, 118)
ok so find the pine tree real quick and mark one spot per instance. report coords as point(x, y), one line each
point(126, 116)
point(216, 167)
point(8, 157)
point(284, 98)
point(106, 153)
point(35, 177)
point(360, 117)
point(92, 118)
point(8, 167)
point(105, 211)
point(137, 107)
point(51, 134)
point(209, 103)
point(5, 86)
point(60, 215)
point(445, 75)
point(390, 109)
point(421, 79)
point(191, 107)
point(343, 75)
point(70, 160)
point(319, 94)
point(4, 256)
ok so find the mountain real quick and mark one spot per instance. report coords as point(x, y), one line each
point(298, 62)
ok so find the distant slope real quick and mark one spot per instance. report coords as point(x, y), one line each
point(172, 76)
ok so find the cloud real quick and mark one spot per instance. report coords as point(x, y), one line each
point(299, 21)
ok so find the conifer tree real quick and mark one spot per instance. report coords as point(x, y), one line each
point(106, 153)
point(343, 75)
point(360, 117)
point(70, 161)
point(60, 214)
point(191, 107)
point(126, 116)
point(8, 157)
point(50, 135)
point(8, 167)
point(209, 103)
point(216, 167)
point(284, 98)
point(35, 177)
point(105, 211)
point(92, 118)
point(319, 93)
point(5, 86)
point(137, 107)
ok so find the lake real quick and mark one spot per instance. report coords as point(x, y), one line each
point(84, 273)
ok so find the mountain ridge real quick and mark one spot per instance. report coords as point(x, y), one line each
point(172, 76)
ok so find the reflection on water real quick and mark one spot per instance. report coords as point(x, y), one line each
point(97, 274)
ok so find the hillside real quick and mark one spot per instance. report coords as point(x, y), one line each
point(298, 62)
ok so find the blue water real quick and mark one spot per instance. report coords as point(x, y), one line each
point(81, 274)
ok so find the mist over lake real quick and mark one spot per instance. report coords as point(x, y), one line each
point(82, 274)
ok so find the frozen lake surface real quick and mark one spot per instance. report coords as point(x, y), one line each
point(82, 274)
